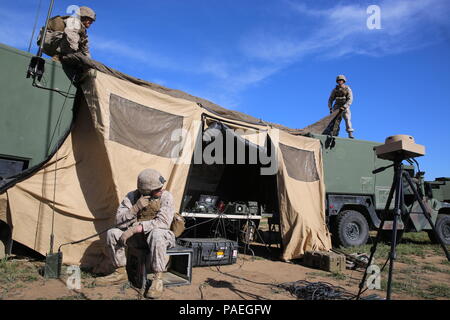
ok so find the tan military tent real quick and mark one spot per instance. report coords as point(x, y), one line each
point(124, 125)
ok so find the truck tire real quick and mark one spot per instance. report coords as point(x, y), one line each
point(442, 228)
point(351, 229)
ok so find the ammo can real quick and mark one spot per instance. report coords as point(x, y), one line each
point(324, 260)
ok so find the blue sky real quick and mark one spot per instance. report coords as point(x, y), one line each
point(278, 59)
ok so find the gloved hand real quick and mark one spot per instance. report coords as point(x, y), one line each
point(331, 111)
point(131, 231)
point(140, 204)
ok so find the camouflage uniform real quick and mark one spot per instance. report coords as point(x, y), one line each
point(343, 97)
point(157, 234)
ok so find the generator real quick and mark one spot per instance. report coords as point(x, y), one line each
point(211, 251)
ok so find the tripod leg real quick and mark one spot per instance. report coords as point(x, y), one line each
point(397, 215)
point(373, 249)
point(258, 234)
point(426, 213)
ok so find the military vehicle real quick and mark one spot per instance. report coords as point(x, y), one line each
point(356, 196)
point(33, 122)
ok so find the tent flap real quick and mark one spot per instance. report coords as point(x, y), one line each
point(301, 194)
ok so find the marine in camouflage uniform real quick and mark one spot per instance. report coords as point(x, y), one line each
point(67, 35)
point(342, 96)
point(146, 216)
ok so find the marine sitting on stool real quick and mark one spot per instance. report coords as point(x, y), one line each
point(151, 211)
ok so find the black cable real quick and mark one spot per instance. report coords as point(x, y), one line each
point(95, 235)
point(58, 122)
point(57, 127)
point(63, 93)
point(306, 290)
point(417, 163)
point(196, 225)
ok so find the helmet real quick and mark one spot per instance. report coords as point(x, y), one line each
point(341, 77)
point(149, 180)
point(87, 12)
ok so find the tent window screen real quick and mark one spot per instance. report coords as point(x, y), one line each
point(141, 127)
point(300, 164)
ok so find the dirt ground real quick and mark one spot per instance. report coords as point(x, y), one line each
point(421, 272)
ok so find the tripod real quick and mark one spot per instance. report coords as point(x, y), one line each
point(397, 186)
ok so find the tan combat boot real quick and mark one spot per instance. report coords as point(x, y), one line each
point(157, 287)
point(119, 275)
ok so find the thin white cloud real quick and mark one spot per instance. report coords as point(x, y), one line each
point(406, 25)
point(115, 48)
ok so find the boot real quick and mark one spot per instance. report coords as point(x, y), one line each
point(350, 135)
point(157, 287)
point(119, 275)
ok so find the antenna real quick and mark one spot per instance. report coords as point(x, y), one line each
point(36, 67)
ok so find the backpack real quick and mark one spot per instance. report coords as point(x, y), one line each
point(57, 23)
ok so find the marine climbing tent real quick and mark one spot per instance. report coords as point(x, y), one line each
point(124, 125)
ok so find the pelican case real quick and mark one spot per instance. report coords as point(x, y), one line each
point(211, 252)
point(324, 260)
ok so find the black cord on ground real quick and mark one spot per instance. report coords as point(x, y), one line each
point(306, 290)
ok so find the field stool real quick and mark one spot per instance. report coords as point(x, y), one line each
point(179, 270)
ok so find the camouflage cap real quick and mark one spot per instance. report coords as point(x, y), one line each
point(149, 180)
point(341, 77)
point(87, 12)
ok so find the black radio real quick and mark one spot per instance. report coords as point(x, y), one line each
point(245, 208)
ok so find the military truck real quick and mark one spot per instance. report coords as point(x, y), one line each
point(33, 122)
point(439, 189)
point(355, 196)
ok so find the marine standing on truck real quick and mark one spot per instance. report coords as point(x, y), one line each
point(67, 35)
point(147, 214)
point(342, 97)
